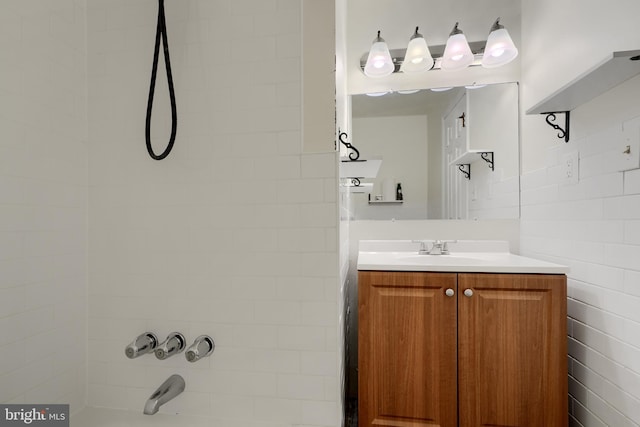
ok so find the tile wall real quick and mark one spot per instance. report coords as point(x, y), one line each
point(593, 226)
point(43, 202)
point(233, 235)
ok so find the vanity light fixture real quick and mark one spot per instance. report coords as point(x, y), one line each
point(379, 62)
point(500, 49)
point(457, 53)
point(417, 57)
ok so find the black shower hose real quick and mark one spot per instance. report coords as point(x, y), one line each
point(161, 33)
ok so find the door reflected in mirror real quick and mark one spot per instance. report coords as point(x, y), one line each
point(454, 153)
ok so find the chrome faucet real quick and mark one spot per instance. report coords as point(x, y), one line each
point(173, 386)
point(203, 346)
point(440, 247)
point(143, 344)
point(174, 344)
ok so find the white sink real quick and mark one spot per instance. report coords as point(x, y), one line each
point(465, 256)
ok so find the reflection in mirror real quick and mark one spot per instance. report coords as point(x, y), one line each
point(423, 137)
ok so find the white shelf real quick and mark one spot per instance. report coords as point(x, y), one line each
point(610, 72)
point(468, 157)
point(360, 168)
point(365, 187)
point(385, 202)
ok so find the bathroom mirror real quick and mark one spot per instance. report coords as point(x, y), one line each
point(423, 136)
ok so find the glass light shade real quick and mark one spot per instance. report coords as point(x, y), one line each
point(417, 57)
point(499, 50)
point(441, 89)
point(379, 62)
point(457, 53)
point(375, 94)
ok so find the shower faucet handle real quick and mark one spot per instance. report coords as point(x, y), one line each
point(143, 344)
point(174, 344)
point(203, 346)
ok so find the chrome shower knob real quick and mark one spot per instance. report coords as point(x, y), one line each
point(174, 344)
point(143, 344)
point(203, 346)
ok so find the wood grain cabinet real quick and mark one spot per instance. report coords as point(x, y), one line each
point(462, 349)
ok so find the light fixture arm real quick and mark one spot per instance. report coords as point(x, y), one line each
point(496, 26)
point(455, 30)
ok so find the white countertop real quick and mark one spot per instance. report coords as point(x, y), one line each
point(466, 256)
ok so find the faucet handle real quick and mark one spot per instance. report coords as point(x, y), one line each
point(445, 246)
point(143, 344)
point(174, 343)
point(203, 346)
point(424, 250)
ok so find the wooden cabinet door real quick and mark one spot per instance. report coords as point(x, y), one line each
point(406, 350)
point(512, 350)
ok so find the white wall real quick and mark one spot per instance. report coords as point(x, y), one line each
point(592, 226)
point(233, 235)
point(43, 199)
point(401, 142)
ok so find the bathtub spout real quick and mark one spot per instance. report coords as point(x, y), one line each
point(173, 386)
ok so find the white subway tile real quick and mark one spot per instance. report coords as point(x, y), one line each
point(627, 207)
point(319, 313)
point(289, 143)
point(322, 165)
point(632, 182)
point(278, 361)
point(632, 282)
point(309, 338)
point(301, 288)
point(278, 410)
point(585, 417)
point(250, 7)
point(276, 312)
point(607, 413)
point(301, 191)
point(300, 387)
point(623, 256)
point(319, 215)
point(632, 232)
point(318, 363)
point(256, 336)
point(234, 407)
point(320, 413)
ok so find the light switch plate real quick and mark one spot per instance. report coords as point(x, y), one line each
point(628, 153)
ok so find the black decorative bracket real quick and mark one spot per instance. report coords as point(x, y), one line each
point(562, 133)
point(463, 117)
point(354, 155)
point(355, 182)
point(488, 157)
point(466, 170)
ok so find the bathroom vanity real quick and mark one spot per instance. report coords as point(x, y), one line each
point(473, 338)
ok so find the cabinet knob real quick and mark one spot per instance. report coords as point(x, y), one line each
point(468, 293)
point(449, 292)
